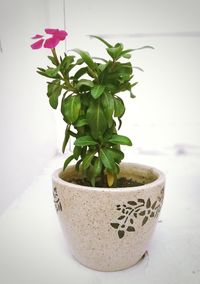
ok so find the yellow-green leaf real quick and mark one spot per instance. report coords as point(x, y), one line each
point(97, 91)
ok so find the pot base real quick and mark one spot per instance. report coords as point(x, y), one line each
point(115, 269)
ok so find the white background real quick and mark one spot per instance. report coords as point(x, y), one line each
point(28, 132)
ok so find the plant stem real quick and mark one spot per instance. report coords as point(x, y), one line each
point(65, 79)
point(55, 56)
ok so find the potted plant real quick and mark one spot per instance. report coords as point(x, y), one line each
point(108, 209)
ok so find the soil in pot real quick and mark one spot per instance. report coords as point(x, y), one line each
point(121, 182)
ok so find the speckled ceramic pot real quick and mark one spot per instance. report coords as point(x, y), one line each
point(109, 229)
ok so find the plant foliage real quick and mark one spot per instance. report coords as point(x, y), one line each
point(89, 90)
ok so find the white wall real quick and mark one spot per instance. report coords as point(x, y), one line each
point(27, 124)
point(165, 115)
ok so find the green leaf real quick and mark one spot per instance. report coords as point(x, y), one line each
point(53, 60)
point(97, 167)
point(134, 84)
point(117, 155)
point(52, 72)
point(112, 88)
point(96, 119)
point(133, 49)
point(119, 45)
point(52, 86)
point(115, 52)
point(71, 107)
point(89, 175)
point(87, 160)
point(66, 63)
point(108, 106)
point(83, 151)
point(67, 161)
point(120, 139)
point(102, 40)
point(84, 82)
point(97, 91)
point(91, 73)
point(87, 58)
point(54, 91)
point(77, 152)
point(85, 141)
point(102, 68)
point(92, 180)
point(77, 166)
point(107, 160)
point(80, 61)
point(80, 73)
point(81, 122)
point(119, 74)
point(99, 58)
point(53, 100)
point(127, 55)
point(119, 107)
point(66, 139)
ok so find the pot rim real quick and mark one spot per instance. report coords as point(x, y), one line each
point(159, 180)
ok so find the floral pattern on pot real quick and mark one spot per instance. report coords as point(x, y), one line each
point(143, 209)
point(57, 202)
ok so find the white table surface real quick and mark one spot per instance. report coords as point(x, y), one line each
point(32, 249)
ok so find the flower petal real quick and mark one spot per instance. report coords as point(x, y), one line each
point(51, 42)
point(50, 31)
point(37, 44)
point(37, 36)
point(61, 34)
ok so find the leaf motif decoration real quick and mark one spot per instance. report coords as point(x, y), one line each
point(141, 200)
point(148, 204)
point(120, 234)
point(142, 213)
point(132, 203)
point(141, 209)
point(144, 220)
point(130, 229)
point(154, 205)
point(115, 225)
point(121, 217)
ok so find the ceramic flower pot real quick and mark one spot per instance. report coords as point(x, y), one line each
point(109, 229)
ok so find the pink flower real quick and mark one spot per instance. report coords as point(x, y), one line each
point(51, 42)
